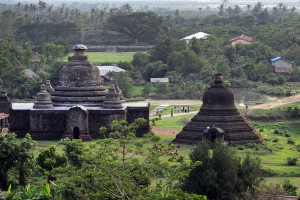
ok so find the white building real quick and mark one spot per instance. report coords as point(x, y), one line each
point(199, 35)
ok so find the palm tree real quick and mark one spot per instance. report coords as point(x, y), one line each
point(50, 11)
point(42, 6)
point(248, 7)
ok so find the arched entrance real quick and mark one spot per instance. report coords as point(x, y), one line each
point(76, 133)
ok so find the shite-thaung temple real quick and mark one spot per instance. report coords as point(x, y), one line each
point(218, 112)
point(77, 107)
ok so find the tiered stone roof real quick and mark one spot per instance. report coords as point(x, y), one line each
point(43, 99)
point(218, 110)
point(79, 82)
point(112, 99)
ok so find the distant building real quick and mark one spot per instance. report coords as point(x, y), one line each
point(199, 35)
point(36, 58)
point(31, 74)
point(242, 39)
point(281, 65)
point(159, 80)
point(105, 69)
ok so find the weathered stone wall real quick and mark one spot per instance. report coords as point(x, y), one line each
point(19, 122)
point(47, 124)
point(5, 106)
point(103, 118)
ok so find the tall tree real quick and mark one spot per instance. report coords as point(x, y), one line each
point(222, 174)
point(136, 25)
point(15, 153)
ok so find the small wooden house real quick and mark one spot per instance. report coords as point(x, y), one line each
point(281, 65)
point(242, 39)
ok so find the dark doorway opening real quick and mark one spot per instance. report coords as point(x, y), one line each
point(76, 133)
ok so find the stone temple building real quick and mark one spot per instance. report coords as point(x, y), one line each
point(77, 107)
point(218, 110)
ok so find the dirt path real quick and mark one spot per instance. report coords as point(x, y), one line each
point(278, 102)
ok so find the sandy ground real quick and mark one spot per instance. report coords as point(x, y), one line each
point(278, 102)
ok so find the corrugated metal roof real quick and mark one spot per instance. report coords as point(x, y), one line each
point(276, 58)
point(30, 73)
point(105, 69)
point(242, 37)
point(3, 115)
point(279, 58)
point(199, 35)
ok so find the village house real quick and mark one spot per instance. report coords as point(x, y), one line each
point(106, 69)
point(242, 39)
point(198, 36)
point(281, 65)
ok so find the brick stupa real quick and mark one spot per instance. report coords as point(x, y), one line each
point(218, 110)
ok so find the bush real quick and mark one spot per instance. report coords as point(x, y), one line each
point(298, 147)
point(241, 148)
point(276, 132)
point(180, 159)
point(275, 140)
point(268, 172)
point(291, 141)
point(287, 134)
point(261, 130)
point(251, 146)
point(292, 161)
point(289, 189)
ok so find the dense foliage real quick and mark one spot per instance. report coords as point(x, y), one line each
point(222, 175)
point(50, 30)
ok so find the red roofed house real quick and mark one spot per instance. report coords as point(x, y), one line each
point(242, 39)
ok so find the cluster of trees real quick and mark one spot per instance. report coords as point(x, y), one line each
point(122, 166)
point(189, 66)
point(40, 23)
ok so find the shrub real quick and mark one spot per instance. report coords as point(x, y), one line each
point(291, 141)
point(261, 130)
point(292, 161)
point(287, 134)
point(298, 147)
point(251, 146)
point(275, 140)
point(241, 148)
point(268, 172)
point(289, 189)
point(180, 159)
point(276, 132)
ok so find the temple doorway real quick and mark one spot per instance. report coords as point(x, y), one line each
point(76, 133)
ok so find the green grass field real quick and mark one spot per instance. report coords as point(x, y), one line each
point(109, 57)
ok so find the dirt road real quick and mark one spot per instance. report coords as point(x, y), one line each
point(278, 102)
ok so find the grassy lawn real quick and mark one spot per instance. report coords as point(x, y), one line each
point(110, 57)
point(107, 57)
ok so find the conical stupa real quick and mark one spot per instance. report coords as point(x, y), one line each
point(79, 82)
point(219, 110)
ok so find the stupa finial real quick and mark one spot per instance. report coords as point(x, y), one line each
point(218, 78)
